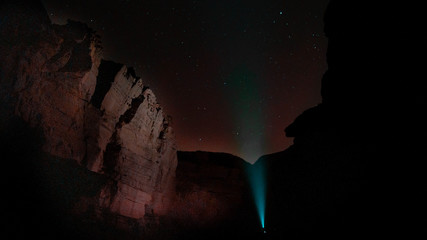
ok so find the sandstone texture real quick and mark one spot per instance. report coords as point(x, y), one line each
point(130, 139)
point(96, 112)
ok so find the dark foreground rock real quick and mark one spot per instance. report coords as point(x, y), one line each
point(356, 168)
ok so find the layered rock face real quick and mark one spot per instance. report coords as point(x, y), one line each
point(93, 111)
point(130, 139)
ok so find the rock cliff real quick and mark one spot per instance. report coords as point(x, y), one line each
point(90, 150)
point(129, 138)
point(94, 111)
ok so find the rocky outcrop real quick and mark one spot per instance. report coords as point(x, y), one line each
point(355, 165)
point(96, 112)
point(55, 79)
point(108, 150)
point(130, 139)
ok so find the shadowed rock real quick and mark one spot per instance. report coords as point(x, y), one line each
point(356, 164)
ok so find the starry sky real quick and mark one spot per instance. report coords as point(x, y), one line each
point(231, 73)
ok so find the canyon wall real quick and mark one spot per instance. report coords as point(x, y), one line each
point(94, 111)
point(129, 138)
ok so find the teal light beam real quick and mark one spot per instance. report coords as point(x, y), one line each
point(256, 174)
point(249, 134)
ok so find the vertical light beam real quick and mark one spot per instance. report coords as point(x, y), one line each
point(245, 96)
point(256, 176)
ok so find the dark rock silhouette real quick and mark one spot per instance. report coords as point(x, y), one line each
point(212, 185)
point(213, 199)
point(356, 167)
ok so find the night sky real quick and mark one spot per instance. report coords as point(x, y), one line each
point(232, 74)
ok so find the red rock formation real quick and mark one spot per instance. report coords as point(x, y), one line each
point(55, 79)
point(100, 115)
point(130, 139)
point(93, 111)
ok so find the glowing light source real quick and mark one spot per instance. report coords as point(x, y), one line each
point(249, 119)
point(256, 175)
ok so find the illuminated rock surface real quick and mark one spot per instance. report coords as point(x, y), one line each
point(130, 139)
point(96, 112)
point(96, 153)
